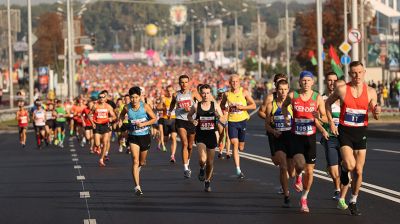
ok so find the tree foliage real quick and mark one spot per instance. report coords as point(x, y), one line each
point(332, 25)
point(50, 42)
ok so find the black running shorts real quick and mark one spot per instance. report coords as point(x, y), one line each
point(102, 129)
point(354, 137)
point(187, 125)
point(143, 141)
point(307, 146)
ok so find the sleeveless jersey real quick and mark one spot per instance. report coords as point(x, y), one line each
point(23, 118)
point(135, 117)
point(49, 115)
point(183, 100)
point(304, 121)
point(85, 115)
point(167, 103)
point(39, 117)
point(235, 99)
point(278, 120)
point(354, 111)
point(100, 115)
point(335, 116)
point(61, 112)
point(206, 119)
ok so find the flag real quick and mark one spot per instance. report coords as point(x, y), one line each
point(335, 62)
point(311, 55)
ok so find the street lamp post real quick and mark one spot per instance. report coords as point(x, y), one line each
point(354, 25)
point(287, 42)
point(320, 47)
point(30, 52)
point(192, 37)
point(236, 44)
point(346, 67)
point(259, 44)
point(10, 70)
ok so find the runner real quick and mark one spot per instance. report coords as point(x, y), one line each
point(141, 117)
point(239, 102)
point(169, 130)
point(223, 139)
point(61, 122)
point(160, 125)
point(332, 146)
point(39, 120)
point(281, 137)
point(22, 117)
point(206, 139)
point(356, 99)
point(77, 110)
point(87, 125)
point(119, 130)
point(111, 133)
point(184, 100)
point(101, 115)
point(262, 114)
point(308, 109)
point(50, 123)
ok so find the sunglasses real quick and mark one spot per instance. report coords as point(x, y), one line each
point(102, 96)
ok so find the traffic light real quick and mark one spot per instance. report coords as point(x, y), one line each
point(93, 39)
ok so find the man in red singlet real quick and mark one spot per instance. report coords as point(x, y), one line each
point(103, 115)
point(356, 99)
point(23, 120)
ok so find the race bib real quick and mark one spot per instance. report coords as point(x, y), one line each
point(207, 123)
point(304, 126)
point(280, 123)
point(336, 121)
point(23, 119)
point(234, 110)
point(185, 102)
point(102, 113)
point(354, 117)
point(135, 129)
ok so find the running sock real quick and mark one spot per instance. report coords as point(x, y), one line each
point(38, 139)
point(353, 198)
point(304, 194)
point(137, 188)
point(186, 166)
point(140, 168)
point(59, 136)
point(62, 137)
point(188, 162)
point(238, 171)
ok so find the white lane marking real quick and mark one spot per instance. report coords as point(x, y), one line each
point(75, 159)
point(72, 150)
point(80, 177)
point(322, 175)
point(84, 194)
point(77, 167)
point(385, 150)
point(74, 155)
point(254, 111)
point(89, 221)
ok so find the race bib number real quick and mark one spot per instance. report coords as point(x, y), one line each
point(234, 110)
point(207, 123)
point(135, 128)
point(354, 117)
point(185, 102)
point(23, 119)
point(304, 126)
point(102, 113)
point(280, 123)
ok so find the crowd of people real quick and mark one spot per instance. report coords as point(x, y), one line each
point(388, 94)
point(136, 105)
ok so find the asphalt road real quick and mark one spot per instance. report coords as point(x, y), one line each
point(42, 186)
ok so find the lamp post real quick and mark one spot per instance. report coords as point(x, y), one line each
point(346, 67)
point(320, 47)
point(354, 25)
point(287, 43)
point(30, 52)
point(10, 70)
point(259, 43)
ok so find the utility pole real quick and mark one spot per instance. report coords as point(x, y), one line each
point(30, 52)
point(193, 53)
point(354, 25)
point(221, 44)
point(287, 43)
point(10, 56)
point(346, 67)
point(236, 44)
point(320, 47)
point(259, 43)
point(182, 43)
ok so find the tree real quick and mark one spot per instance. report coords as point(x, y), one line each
point(50, 42)
point(332, 26)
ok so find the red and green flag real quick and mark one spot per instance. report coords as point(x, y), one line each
point(335, 62)
point(311, 55)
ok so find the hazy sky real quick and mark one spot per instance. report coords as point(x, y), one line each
point(23, 2)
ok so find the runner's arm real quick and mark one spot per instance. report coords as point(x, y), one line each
point(172, 105)
point(192, 111)
point(223, 100)
point(321, 117)
point(251, 105)
point(153, 118)
point(373, 103)
point(267, 100)
point(286, 103)
point(112, 113)
point(267, 112)
point(220, 115)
